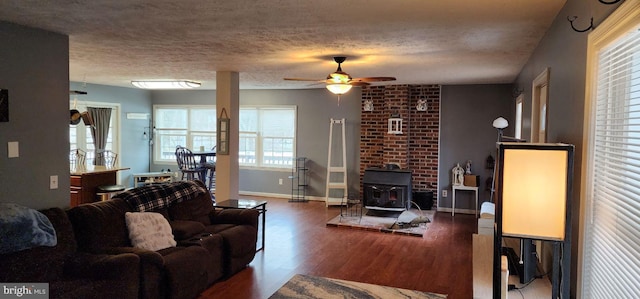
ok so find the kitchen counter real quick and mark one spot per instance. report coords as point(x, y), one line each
point(85, 181)
point(95, 169)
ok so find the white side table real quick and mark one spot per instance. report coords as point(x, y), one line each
point(461, 187)
point(141, 179)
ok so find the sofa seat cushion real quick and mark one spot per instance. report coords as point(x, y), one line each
point(184, 229)
point(149, 230)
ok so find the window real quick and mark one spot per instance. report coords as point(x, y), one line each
point(80, 135)
point(267, 136)
point(610, 261)
point(267, 133)
point(189, 126)
point(519, 109)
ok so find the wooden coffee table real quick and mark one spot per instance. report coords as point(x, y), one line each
point(260, 205)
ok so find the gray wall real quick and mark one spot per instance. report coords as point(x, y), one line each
point(466, 133)
point(134, 148)
point(564, 52)
point(315, 108)
point(34, 67)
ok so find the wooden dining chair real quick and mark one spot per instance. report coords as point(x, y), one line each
point(107, 158)
point(210, 166)
point(188, 165)
point(77, 158)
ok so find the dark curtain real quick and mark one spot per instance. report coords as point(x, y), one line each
point(99, 130)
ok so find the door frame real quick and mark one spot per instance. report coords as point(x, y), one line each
point(540, 96)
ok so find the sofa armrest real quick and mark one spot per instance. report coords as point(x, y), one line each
point(103, 266)
point(235, 216)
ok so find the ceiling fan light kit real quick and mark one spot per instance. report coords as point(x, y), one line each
point(339, 88)
point(166, 84)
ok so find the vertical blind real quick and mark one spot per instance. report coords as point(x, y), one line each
point(611, 256)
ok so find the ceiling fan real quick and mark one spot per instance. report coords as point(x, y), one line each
point(340, 82)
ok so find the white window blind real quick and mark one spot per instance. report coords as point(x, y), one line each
point(611, 248)
point(267, 133)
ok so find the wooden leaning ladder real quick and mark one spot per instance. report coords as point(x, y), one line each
point(336, 171)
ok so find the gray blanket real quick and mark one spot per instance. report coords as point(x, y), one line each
point(23, 228)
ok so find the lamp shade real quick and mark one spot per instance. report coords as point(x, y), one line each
point(500, 123)
point(534, 188)
point(339, 88)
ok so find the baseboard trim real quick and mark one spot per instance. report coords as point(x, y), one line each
point(278, 195)
point(458, 211)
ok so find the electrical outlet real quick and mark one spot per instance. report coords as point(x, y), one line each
point(53, 182)
point(444, 193)
point(280, 181)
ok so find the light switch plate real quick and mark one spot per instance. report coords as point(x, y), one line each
point(13, 149)
point(53, 182)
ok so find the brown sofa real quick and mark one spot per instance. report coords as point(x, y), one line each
point(211, 244)
point(72, 274)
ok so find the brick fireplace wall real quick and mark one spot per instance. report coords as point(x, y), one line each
point(417, 147)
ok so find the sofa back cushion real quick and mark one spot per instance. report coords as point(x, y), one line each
point(101, 224)
point(196, 209)
point(43, 263)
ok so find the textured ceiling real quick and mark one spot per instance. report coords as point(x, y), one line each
point(416, 41)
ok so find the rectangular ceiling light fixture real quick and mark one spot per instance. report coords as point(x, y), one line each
point(166, 84)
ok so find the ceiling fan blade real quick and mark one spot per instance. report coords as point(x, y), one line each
point(373, 79)
point(304, 79)
point(359, 83)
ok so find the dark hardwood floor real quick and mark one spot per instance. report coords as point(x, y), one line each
point(298, 242)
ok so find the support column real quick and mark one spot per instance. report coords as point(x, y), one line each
point(227, 169)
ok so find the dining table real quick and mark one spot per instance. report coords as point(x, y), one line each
point(204, 154)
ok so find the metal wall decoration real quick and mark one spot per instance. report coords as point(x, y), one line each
point(422, 102)
point(368, 101)
point(571, 19)
point(222, 135)
point(422, 105)
point(368, 105)
point(4, 105)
